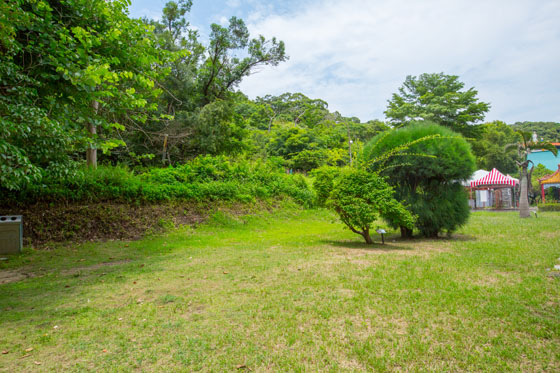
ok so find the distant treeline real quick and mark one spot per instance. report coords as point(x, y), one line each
point(546, 131)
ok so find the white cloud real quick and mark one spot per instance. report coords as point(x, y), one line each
point(354, 54)
point(233, 3)
point(223, 21)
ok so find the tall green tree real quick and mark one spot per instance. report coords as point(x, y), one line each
point(297, 108)
point(438, 98)
point(72, 73)
point(218, 129)
point(489, 147)
point(203, 75)
point(224, 69)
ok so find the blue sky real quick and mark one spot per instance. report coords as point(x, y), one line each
point(355, 53)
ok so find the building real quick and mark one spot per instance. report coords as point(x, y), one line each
point(545, 157)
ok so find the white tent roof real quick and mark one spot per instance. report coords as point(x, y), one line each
point(477, 175)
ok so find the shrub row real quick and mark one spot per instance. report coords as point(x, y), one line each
point(203, 179)
point(549, 206)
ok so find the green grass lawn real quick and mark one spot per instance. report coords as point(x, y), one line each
point(291, 290)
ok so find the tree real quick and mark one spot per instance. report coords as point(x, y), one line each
point(296, 108)
point(323, 183)
point(307, 160)
point(257, 115)
point(223, 70)
point(202, 75)
point(524, 147)
point(288, 140)
point(69, 69)
point(218, 129)
point(173, 20)
point(438, 98)
point(360, 198)
point(489, 147)
point(546, 131)
point(425, 163)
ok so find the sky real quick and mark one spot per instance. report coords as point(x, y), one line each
point(355, 54)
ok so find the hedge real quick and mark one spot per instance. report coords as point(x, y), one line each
point(549, 206)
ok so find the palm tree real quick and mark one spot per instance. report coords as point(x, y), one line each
point(524, 147)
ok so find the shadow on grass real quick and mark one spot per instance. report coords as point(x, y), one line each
point(376, 246)
point(396, 242)
point(460, 237)
point(444, 238)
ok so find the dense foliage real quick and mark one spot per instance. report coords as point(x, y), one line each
point(546, 131)
point(68, 68)
point(425, 174)
point(81, 75)
point(360, 198)
point(437, 98)
point(203, 179)
point(199, 95)
point(303, 131)
point(539, 172)
point(323, 183)
point(491, 147)
point(77, 76)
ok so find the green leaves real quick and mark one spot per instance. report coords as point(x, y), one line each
point(546, 131)
point(360, 198)
point(223, 70)
point(425, 163)
point(492, 147)
point(437, 98)
point(217, 130)
point(63, 57)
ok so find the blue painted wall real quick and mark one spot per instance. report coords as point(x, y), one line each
point(547, 159)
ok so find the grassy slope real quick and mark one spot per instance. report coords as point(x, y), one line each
point(290, 291)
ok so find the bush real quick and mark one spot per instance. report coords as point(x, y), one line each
point(440, 208)
point(427, 163)
point(307, 160)
point(203, 179)
point(549, 206)
point(360, 198)
point(324, 183)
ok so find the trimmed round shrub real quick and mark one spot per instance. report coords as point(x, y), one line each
point(425, 163)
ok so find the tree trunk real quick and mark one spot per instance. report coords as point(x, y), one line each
point(523, 194)
point(367, 237)
point(406, 232)
point(91, 152)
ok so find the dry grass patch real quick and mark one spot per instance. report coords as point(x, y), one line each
point(9, 276)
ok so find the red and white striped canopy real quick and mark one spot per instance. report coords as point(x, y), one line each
point(495, 177)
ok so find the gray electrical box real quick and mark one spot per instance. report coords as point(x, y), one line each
point(11, 234)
